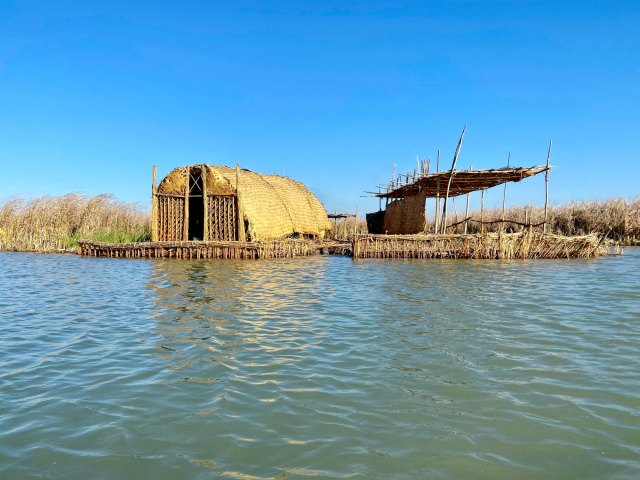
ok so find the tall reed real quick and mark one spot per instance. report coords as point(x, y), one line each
point(57, 223)
point(343, 228)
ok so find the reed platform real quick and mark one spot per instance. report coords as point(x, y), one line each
point(520, 245)
point(213, 249)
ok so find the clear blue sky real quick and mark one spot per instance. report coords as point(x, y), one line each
point(330, 93)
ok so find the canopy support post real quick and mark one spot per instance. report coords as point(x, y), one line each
point(453, 167)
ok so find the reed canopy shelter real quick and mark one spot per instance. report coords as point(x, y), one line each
point(405, 197)
point(219, 203)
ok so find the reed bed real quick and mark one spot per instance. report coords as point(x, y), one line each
point(57, 223)
point(618, 217)
point(520, 245)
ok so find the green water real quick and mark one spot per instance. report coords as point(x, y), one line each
point(319, 368)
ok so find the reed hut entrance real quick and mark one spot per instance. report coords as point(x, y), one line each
point(196, 205)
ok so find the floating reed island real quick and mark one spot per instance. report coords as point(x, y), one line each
point(205, 211)
point(507, 246)
point(400, 230)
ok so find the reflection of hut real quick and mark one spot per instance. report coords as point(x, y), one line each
point(204, 202)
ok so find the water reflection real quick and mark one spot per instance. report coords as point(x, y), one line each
point(319, 367)
point(227, 309)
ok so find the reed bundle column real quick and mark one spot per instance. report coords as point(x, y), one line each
point(185, 230)
point(242, 235)
point(205, 202)
point(154, 206)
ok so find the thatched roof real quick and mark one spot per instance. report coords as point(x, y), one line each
point(274, 206)
point(463, 182)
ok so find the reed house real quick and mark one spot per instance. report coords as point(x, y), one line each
point(218, 203)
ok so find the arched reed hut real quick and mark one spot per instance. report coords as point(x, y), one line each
point(205, 202)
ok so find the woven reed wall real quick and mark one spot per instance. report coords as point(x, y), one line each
point(223, 218)
point(170, 218)
point(406, 216)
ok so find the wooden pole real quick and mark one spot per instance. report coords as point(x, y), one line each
point(466, 215)
point(504, 196)
point(379, 192)
point(453, 167)
point(437, 224)
point(546, 190)
point(154, 206)
point(482, 212)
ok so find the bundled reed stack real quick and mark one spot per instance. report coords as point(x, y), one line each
point(521, 245)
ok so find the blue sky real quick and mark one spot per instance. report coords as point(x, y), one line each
point(330, 93)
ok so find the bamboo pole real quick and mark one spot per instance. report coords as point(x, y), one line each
point(437, 224)
point(546, 190)
point(453, 167)
point(154, 206)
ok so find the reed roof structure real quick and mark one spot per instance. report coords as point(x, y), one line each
point(431, 185)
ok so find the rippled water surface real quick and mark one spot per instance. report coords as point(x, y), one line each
point(319, 368)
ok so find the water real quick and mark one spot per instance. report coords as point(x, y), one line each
point(319, 368)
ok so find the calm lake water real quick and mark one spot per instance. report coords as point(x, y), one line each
point(319, 368)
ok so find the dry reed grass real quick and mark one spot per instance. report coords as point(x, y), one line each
point(619, 217)
point(343, 229)
point(57, 223)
